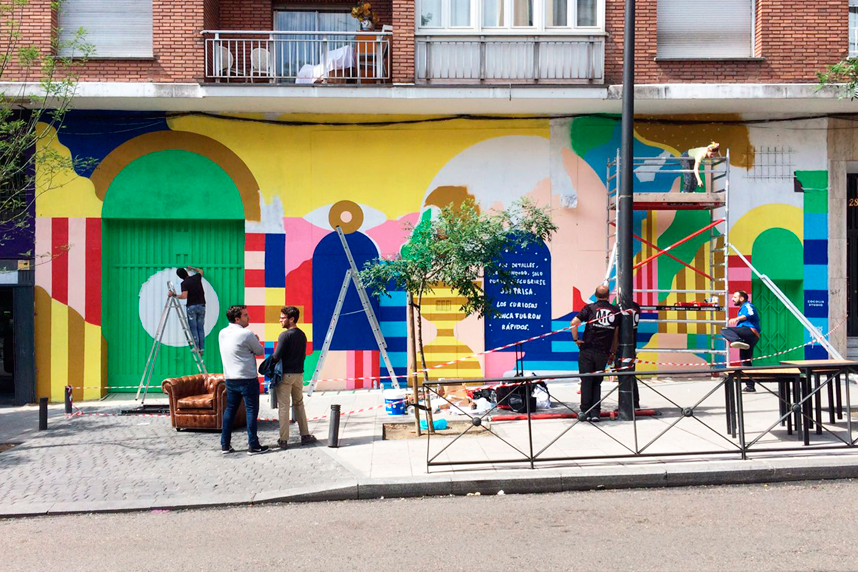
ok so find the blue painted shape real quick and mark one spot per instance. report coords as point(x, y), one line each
point(815, 352)
point(815, 226)
point(95, 134)
point(538, 365)
point(396, 300)
point(816, 251)
point(397, 359)
point(816, 277)
point(562, 346)
point(816, 303)
point(329, 267)
point(275, 261)
point(394, 329)
point(526, 312)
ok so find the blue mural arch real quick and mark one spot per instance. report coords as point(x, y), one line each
point(329, 267)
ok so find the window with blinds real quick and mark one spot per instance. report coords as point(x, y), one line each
point(697, 29)
point(116, 28)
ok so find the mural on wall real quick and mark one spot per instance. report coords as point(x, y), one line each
point(292, 186)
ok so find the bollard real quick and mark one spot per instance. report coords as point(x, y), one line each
point(68, 399)
point(334, 426)
point(43, 413)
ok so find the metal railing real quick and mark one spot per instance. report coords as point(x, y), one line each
point(309, 58)
point(853, 41)
point(510, 59)
point(716, 418)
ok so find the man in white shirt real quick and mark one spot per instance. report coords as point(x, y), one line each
point(238, 350)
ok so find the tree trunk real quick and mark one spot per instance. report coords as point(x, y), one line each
point(430, 427)
point(412, 351)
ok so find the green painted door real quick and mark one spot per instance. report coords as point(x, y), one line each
point(164, 210)
point(135, 252)
point(778, 254)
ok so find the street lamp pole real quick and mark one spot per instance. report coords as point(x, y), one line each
point(625, 219)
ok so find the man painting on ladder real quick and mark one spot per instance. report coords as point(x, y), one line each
point(193, 292)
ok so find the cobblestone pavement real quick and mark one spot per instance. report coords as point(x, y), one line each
point(116, 459)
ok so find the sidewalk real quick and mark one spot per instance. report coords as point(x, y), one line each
point(116, 463)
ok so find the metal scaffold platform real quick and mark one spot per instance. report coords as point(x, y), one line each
point(702, 308)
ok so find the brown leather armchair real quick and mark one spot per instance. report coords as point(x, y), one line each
point(198, 402)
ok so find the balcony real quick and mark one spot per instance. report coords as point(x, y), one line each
point(302, 58)
point(510, 59)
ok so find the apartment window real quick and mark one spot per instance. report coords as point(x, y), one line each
point(704, 29)
point(498, 16)
point(115, 28)
point(853, 28)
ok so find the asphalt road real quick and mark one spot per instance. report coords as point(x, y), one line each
point(803, 526)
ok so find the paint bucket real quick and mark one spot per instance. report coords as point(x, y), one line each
point(394, 401)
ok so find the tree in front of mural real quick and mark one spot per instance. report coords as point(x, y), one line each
point(40, 85)
point(460, 248)
point(842, 76)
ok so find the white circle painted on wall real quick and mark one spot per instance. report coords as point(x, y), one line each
point(153, 297)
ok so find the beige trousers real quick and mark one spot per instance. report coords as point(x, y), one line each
point(290, 391)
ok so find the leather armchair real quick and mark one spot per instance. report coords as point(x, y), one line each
point(198, 402)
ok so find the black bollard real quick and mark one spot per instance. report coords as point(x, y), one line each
point(68, 399)
point(334, 426)
point(43, 413)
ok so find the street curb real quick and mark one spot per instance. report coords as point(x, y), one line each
point(552, 480)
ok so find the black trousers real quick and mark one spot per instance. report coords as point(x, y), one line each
point(743, 335)
point(591, 360)
point(689, 181)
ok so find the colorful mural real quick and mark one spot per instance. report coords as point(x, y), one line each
point(293, 185)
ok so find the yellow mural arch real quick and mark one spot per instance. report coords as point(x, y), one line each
point(756, 221)
point(207, 147)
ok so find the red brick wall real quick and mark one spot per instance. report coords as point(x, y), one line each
point(246, 15)
point(795, 38)
point(35, 22)
point(403, 41)
point(211, 14)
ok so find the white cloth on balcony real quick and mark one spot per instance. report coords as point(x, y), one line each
point(339, 59)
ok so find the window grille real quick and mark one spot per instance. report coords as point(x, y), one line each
point(771, 163)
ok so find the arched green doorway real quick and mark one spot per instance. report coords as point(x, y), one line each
point(164, 210)
point(778, 254)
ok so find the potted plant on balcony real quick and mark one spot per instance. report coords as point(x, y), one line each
point(363, 13)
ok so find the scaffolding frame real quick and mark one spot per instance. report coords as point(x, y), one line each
point(715, 200)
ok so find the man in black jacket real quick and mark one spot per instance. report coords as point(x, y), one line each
point(596, 349)
point(290, 351)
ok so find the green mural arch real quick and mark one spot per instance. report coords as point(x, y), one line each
point(778, 253)
point(173, 185)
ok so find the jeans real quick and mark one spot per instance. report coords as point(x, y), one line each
point(746, 335)
point(236, 389)
point(591, 360)
point(197, 322)
point(689, 181)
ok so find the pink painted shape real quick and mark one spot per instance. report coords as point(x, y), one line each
point(498, 363)
point(77, 265)
point(44, 278)
point(391, 235)
point(740, 274)
point(302, 237)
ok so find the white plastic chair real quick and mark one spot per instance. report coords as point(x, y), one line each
point(223, 61)
point(260, 62)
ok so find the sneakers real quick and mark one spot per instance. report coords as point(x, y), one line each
point(226, 450)
point(749, 389)
point(258, 450)
point(308, 439)
point(282, 444)
point(595, 418)
point(739, 345)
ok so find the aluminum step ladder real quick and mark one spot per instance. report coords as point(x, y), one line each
point(171, 305)
point(352, 276)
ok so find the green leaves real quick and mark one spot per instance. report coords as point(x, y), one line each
point(843, 76)
point(459, 249)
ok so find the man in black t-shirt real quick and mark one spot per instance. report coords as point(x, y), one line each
point(290, 352)
point(193, 292)
point(596, 349)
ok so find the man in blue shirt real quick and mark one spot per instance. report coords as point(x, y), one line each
point(744, 331)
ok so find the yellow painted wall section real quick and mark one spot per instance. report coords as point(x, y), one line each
point(59, 349)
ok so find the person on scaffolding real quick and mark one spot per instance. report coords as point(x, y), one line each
point(744, 331)
point(691, 161)
point(598, 348)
